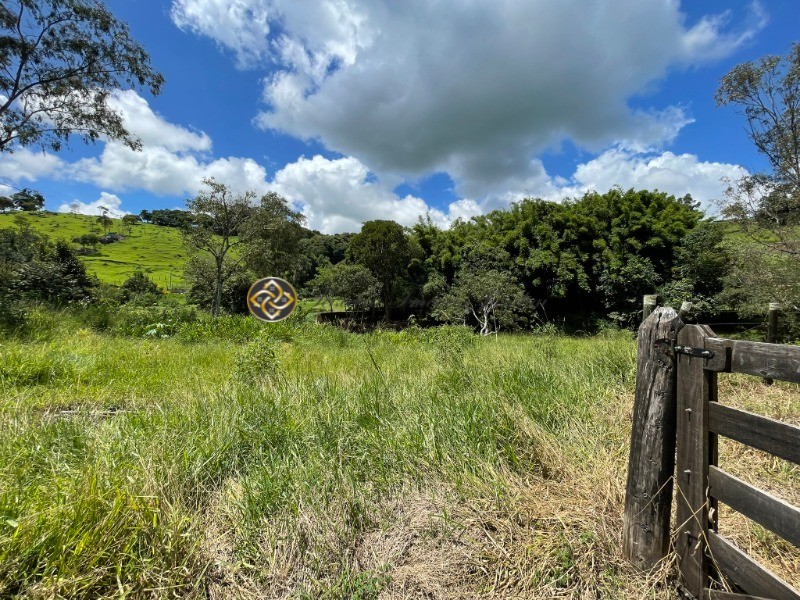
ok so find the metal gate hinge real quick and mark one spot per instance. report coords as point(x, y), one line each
point(669, 347)
point(692, 351)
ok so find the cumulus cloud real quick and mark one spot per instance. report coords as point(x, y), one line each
point(165, 173)
point(240, 25)
point(476, 89)
point(338, 195)
point(676, 174)
point(152, 128)
point(173, 160)
point(26, 165)
point(111, 202)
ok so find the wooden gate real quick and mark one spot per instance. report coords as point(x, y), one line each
point(704, 554)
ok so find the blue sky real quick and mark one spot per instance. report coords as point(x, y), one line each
point(364, 109)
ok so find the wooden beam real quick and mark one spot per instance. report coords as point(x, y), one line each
point(775, 437)
point(648, 494)
point(774, 361)
point(696, 387)
point(720, 595)
point(747, 573)
point(773, 513)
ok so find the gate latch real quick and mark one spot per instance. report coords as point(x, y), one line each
point(669, 347)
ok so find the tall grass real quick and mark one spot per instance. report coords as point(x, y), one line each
point(304, 461)
point(118, 450)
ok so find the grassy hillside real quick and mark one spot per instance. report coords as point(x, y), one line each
point(158, 251)
point(243, 460)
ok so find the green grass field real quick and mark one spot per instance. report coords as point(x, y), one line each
point(242, 460)
point(158, 251)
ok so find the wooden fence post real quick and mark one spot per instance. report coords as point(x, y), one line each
point(648, 494)
point(649, 303)
point(772, 322)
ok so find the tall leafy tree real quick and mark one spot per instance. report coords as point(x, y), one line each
point(484, 293)
point(60, 60)
point(215, 235)
point(272, 234)
point(766, 205)
point(384, 249)
point(353, 284)
point(28, 200)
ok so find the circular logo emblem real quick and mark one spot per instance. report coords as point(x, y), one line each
point(271, 299)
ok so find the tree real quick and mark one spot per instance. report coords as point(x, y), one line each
point(766, 205)
point(128, 221)
point(273, 233)
point(104, 220)
point(28, 200)
point(354, 284)
point(383, 248)
point(6, 204)
point(88, 242)
point(767, 93)
point(139, 285)
point(216, 235)
point(34, 268)
point(60, 61)
point(493, 298)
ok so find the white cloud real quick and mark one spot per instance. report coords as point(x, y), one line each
point(111, 202)
point(26, 165)
point(172, 161)
point(152, 128)
point(476, 89)
point(337, 195)
point(676, 174)
point(164, 173)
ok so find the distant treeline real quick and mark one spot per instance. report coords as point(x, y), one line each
point(583, 262)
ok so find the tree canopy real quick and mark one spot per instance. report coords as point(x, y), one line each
point(60, 61)
point(766, 205)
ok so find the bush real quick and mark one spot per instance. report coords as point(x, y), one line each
point(152, 321)
point(139, 287)
point(259, 361)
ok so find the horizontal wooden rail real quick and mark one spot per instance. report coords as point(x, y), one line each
point(720, 595)
point(769, 435)
point(773, 513)
point(755, 358)
point(747, 573)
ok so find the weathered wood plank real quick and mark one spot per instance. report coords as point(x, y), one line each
point(773, 513)
point(773, 361)
point(777, 438)
point(720, 595)
point(747, 573)
point(648, 495)
point(696, 386)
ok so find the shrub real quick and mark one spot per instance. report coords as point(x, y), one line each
point(259, 361)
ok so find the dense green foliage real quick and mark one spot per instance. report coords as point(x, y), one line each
point(587, 261)
point(26, 200)
point(33, 269)
point(766, 206)
point(60, 62)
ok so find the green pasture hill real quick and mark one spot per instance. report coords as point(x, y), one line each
point(157, 251)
